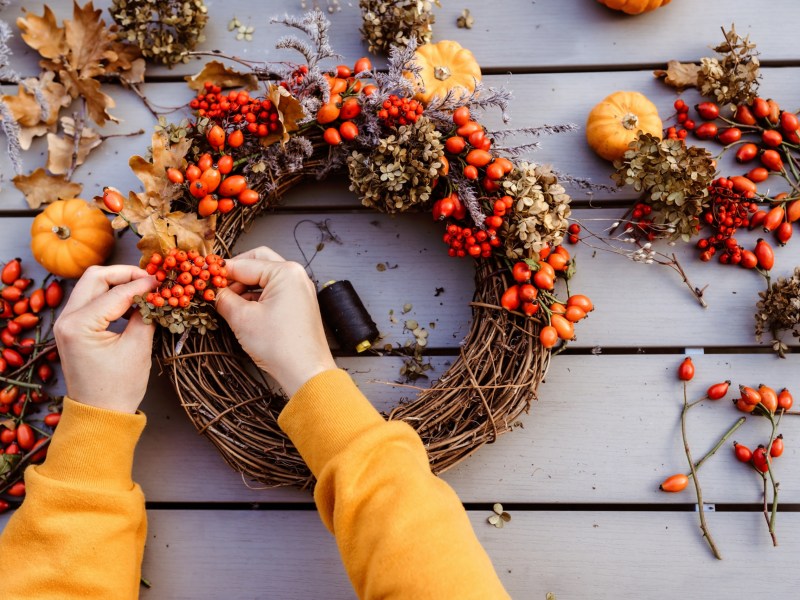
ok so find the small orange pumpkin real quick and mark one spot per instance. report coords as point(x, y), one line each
point(634, 7)
point(615, 122)
point(446, 66)
point(70, 236)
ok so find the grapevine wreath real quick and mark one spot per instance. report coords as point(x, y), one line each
point(241, 150)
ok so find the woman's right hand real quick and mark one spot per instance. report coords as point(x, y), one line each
point(279, 327)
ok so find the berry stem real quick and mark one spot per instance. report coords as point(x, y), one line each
point(721, 441)
point(698, 490)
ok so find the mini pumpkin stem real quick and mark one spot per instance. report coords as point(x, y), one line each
point(441, 73)
point(61, 231)
point(630, 121)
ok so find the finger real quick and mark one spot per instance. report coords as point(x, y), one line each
point(231, 307)
point(97, 280)
point(237, 288)
point(260, 253)
point(253, 272)
point(110, 306)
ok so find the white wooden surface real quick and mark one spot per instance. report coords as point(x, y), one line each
point(605, 430)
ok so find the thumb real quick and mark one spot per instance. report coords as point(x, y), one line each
point(231, 306)
point(138, 332)
point(111, 305)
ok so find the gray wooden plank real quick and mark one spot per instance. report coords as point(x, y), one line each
point(627, 555)
point(520, 35)
point(605, 430)
point(654, 310)
point(550, 98)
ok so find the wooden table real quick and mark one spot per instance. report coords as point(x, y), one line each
point(580, 475)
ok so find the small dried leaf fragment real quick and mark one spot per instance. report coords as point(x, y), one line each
point(466, 20)
point(218, 74)
point(40, 187)
point(679, 75)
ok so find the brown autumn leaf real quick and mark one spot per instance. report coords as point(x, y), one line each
point(161, 233)
point(290, 111)
point(43, 33)
point(61, 148)
point(83, 48)
point(40, 187)
point(27, 110)
point(218, 74)
point(158, 189)
point(679, 75)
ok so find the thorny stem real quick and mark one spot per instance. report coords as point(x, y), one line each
point(698, 292)
point(77, 134)
point(721, 441)
point(19, 383)
point(115, 135)
point(698, 490)
point(772, 516)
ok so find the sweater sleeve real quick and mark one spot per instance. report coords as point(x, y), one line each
point(402, 532)
point(80, 532)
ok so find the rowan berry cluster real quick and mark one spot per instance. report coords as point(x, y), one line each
point(344, 102)
point(237, 109)
point(184, 277)
point(396, 111)
point(26, 359)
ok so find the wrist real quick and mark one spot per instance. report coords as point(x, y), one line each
point(292, 380)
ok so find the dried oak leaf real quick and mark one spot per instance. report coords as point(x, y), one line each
point(60, 148)
point(84, 48)
point(161, 233)
point(40, 187)
point(679, 75)
point(290, 111)
point(153, 175)
point(43, 33)
point(28, 111)
point(218, 74)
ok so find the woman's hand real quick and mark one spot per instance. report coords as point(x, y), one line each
point(280, 327)
point(102, 368)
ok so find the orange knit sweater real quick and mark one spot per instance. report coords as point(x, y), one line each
point(401, 531)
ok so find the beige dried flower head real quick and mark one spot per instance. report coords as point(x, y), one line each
point(675, 178)
point(164, 31)
point(386, 23)
point(733, 77)
point(400, 171)
point(778, 311)
point(540, 212)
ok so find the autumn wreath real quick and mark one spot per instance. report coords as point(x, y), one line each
point(407, 140)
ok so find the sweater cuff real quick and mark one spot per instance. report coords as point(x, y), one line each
point(93, 447)
point(325, 415)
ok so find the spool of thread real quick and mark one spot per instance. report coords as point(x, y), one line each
point(346, 316)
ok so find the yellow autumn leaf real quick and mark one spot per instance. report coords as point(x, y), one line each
point(40, 187)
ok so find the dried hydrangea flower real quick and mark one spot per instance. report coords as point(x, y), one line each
point(399, 172)
point(164, 31)
point(734, 76)
point(675, 178)
point(778, 311)
point(386, 23)
point(541, 210)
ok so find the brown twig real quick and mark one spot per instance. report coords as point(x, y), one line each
point(79, 119)
point(698, 489)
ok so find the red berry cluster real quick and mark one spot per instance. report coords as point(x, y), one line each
point(27, 360)
point(397, 111)
point(640, 223)
point(237, 109)
point(185, 277)
point(574, 231)
point(680, 133)
point(726, 210)
point(296, 78)
point(466, 241)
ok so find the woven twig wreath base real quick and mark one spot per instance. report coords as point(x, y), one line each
point(478, 399)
